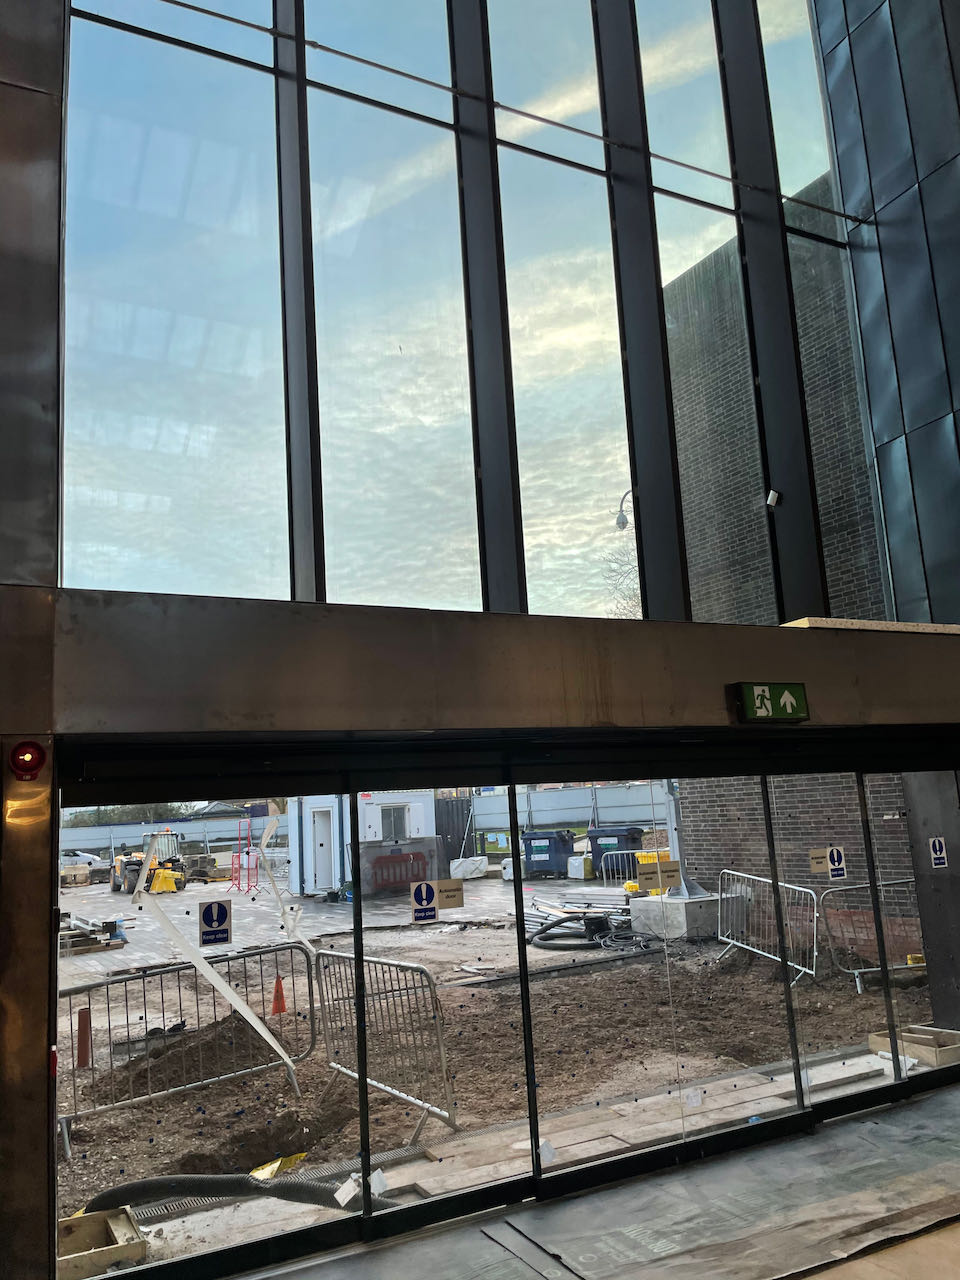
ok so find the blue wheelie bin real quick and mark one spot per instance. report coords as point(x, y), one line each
point(613, 839)
point(547, 852)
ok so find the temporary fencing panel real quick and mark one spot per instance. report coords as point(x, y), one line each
point(620, 865)
point(405, 1051)
point(748, 919)
point(847, 912)
point(166, 1030)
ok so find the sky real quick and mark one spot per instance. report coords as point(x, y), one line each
point(175, 469)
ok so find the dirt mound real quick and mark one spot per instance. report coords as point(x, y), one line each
point(180, 1059)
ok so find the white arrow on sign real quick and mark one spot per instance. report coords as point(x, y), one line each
point(787, 701)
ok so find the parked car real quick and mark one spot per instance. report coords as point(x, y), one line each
point(99, 867)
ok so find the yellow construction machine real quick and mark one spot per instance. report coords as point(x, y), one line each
point(166, 873)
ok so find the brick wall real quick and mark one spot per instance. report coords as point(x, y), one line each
point(725, 521)
point(723, 827)
point(718, 451)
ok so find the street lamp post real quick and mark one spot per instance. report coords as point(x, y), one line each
point(622, 518)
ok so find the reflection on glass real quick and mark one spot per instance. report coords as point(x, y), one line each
point(174, 439)
point(796, 103)
point(568, 389)
point(398, 476)
point(837, 1016)
point(718, 449)
point(901, 835)
point(408, 35)
point(684, 100)
point(200, 28)
point(448, 1085)
point(543, 58)
point(164, 1072)
point(830, 361)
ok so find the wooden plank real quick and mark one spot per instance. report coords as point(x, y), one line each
point(460, 1179)
point(931, 1055)
point(580, 1151)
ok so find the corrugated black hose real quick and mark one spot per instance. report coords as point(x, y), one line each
point(223, 1186)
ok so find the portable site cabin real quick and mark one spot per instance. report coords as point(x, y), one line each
point(319, 829)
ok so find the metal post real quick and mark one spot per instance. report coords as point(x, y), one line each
point(488, 326)
point(299, 317)
point(782, 938)
point(360, 1001)
point(798, 555)
point(654, 472)
point(526, 1013)
point(878, 925)
point(29, 868)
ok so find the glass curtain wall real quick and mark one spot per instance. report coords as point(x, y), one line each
point(176, 449)
point(174, 437)
point(559, 975)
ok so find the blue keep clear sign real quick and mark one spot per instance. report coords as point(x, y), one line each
point(837, 863)
point(423, 897)
point(938, 851)
point(216, 922)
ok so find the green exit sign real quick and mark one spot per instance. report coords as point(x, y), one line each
point(770, 701)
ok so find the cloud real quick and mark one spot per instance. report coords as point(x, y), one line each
point(673, 60)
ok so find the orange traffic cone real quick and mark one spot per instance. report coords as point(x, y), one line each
point(279, 1002)
point(84, 1039)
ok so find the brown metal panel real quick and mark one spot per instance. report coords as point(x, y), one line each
point(28, 864)
point(128, 664)
point(30, 130)
point(26, 660)
point(31, 44)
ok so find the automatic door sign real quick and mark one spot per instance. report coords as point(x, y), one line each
point(938, 851)
point(838, 863)
point(429, 897)
point(216, 923)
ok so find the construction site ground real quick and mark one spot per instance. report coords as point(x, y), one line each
point(623, 1051)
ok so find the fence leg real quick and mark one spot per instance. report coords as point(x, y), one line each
point(329, 1087)
point(65, 1135)
point(424, 1116)
point(728, 948)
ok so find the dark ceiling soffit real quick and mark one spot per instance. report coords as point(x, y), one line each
point(92, 771)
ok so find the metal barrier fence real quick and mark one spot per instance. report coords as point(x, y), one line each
point(847, 913)
point(747, 919)
point(617, 867)
point(406, 1057)
point(165, 1030)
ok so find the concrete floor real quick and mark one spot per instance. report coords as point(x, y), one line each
point(787, 1208)
point(934, 1252)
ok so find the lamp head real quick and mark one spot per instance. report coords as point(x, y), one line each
point(622, 520)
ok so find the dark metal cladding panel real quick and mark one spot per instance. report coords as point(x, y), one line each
point(914, 318)
point(903, 538)
point(31, 44)
point(886, 417)
point(859, 10)
point(884, 111)
point(951, 23)
point(30, 127)
point(927, 82)
point(832, 23)
point(940, 196)
point(935, 465)
point(848, 131)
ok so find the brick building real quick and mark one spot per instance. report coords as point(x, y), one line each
point(728, 545)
